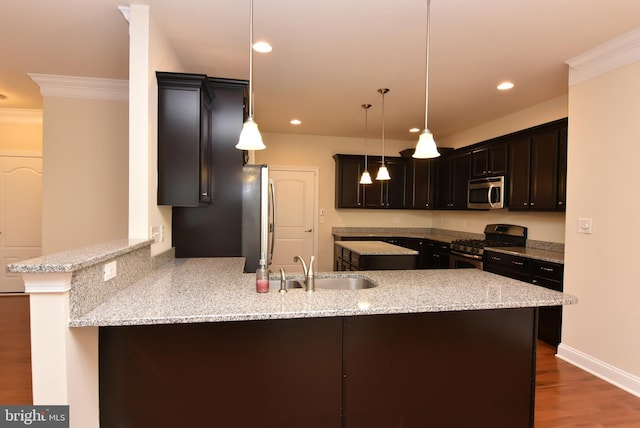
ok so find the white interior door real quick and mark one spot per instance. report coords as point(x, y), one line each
point(20, 215)
point(295, 225)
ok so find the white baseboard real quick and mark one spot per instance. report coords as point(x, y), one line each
point(604, 371)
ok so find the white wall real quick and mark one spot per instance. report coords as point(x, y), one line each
point(601, 331)
point(85, 176)
point(20, 131)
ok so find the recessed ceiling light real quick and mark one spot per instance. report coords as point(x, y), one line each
point(295, 122)
point(262, 47)
point(505, 85)
point(414, 130)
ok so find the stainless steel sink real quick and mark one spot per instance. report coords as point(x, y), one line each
point(344, 283)
point(339, 283)
point(274, 284)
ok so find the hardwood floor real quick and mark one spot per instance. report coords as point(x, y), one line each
point(565, 395)
point(15, 350)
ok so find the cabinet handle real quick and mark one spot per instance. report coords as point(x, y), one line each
point(535, 281)
point(497, 259)
point(546, 269)
point(205, 193)
point(533, 203)
point(560, 203)
point(524, 203)
point(517, 263)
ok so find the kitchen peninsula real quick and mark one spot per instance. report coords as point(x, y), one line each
point(189, 342)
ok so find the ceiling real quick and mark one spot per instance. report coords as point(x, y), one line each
point(329, 56)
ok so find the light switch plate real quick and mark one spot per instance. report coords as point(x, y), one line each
point(585, 225)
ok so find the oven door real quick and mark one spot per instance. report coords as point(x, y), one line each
point(464, 261)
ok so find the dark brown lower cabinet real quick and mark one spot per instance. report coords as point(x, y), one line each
point(444, 369)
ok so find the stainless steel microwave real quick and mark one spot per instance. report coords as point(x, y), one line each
point(486, 193)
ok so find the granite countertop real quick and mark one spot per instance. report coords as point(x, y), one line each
point(376, 248)
point(441, 237)
point(215, 289)
point(539, 250)
point(532, 253)
point(79, 258)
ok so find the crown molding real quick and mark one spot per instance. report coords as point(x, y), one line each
point(20, 115)
point(606, 57)
point(81, 87)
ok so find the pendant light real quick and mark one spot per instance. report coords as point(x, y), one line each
point(426, 146)
point(250, 138)
point(366, 177)
point(383, 173)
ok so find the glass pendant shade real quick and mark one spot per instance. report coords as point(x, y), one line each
point(366, 178)
point(426, 147)
point(250, 138)
point(383, 173)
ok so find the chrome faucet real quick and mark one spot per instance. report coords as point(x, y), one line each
point(309, 281)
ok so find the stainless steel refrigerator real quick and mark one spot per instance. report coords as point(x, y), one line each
point(258, 216)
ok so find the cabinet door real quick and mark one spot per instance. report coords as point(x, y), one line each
point(519, 173)
point(395, 192)
point(460, 181)
point(562, 169)
point(421, 184)
point(348, 187)
point(497, 161)
point(205, 149)
point(373, 193)
point(184, 139)
point(480, 162)
point(489, 160)
point(544, 170)
point(443, 183)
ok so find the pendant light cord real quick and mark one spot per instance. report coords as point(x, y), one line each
point(366, 126)
point(426, 91)
point(251, 59)
point(383, 92)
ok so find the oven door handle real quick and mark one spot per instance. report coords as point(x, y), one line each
point(468, 256)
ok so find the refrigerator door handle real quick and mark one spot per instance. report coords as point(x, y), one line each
point(272, 226)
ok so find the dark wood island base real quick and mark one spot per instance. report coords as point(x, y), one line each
point(438, 369)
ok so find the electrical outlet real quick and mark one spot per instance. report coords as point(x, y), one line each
point(110, 270)
point(157, 233)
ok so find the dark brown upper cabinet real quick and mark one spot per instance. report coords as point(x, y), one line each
point(452, 180)
point(184, 139)
point(489, 160)
point(537, 165)
point(390, 194)
point(421, 184)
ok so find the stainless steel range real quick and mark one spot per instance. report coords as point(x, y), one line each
point(467, 253)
